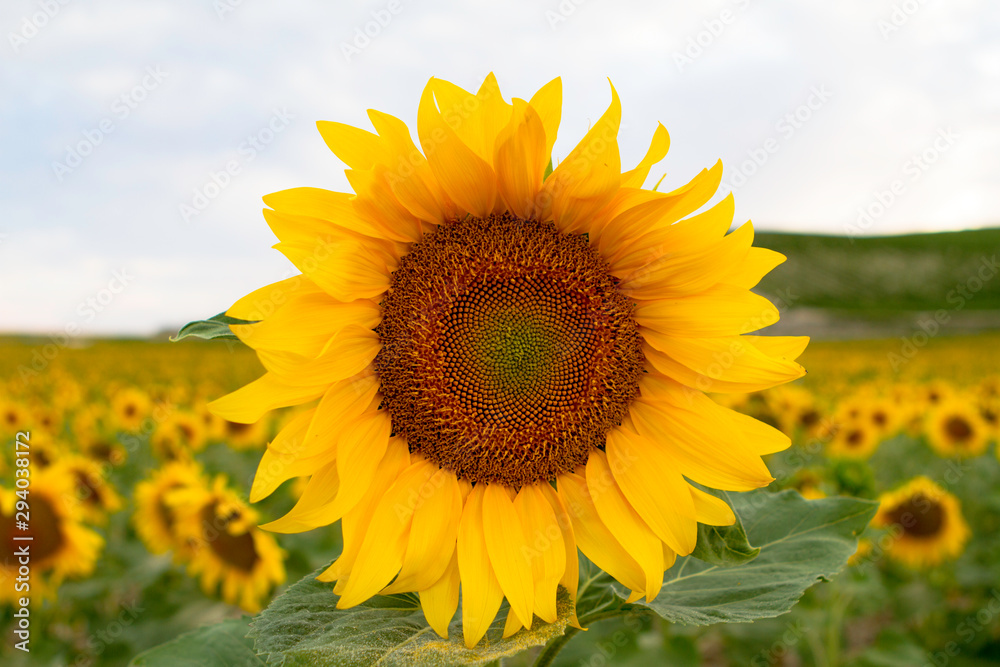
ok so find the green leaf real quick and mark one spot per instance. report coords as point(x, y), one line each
point(220, 645)
point(724, 545)
point(801, 542)
point(211, 329)
point(548, 170)
point(304, 627)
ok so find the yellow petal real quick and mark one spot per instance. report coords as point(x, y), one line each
point(437, 511)
point(357, 148)
point(512, 625)
point(624, 522)
point(278, 465)
point(358, 454)
point(440, 601)
point(722, 310)
point(507, 547)
point(590, 175)
point(306, 322)
point(264, 302)
point(676, 419)
point(547, 103)
point(320, 491)
point(347, 354)
point(658, 211)
point(334, 209)
point(758, 263)
point(727, 363)
point(520, 161)
point(248, 404)
point(408, 173)
point(711, 511)
point(593, 536)
point(376, 202)
point(658, 148)
point(381, 554)
point(346, 269)
point(780, 347)
point(342, 405)
point(464, 176)
point(356, 520)
point(672, 271)
point(481, 594)
point(546, 549)
point(571, 577)
point(492, 115)
point(650, 481)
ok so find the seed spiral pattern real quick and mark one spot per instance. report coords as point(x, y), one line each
point(507, 350)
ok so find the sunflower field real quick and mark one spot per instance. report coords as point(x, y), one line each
point(143, 530)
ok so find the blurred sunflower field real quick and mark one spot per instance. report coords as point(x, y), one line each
point(143, 531)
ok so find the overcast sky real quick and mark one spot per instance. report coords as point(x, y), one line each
point(115, 114)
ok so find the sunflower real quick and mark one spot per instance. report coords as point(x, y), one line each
point(884, 416)
point(61, 546)
point(179, 434)
point(225, 545)
point(506, 360)
point(94, 494)
point(130, 407)
point(956, 428)
point(925, 522)
point(854, 439)
point(154, 517)
point(244, 436)
point(14, 416)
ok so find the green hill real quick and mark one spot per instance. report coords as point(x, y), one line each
point(889, 274)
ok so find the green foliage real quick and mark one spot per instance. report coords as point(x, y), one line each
point(213, 328)
point(220, 644)
point(304, 627)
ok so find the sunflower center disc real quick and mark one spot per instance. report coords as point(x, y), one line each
point(920, 516)
point(507, 350)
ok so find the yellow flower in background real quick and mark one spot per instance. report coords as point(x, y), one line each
point(94, 494)
point(155, 518)
point(855, 439)
point(179, 434)
point(474, 330)
point(61, 545)
point(14, 416)
point(130, 407)
point(884, 416)
point(955, 428)
point(244, 436)
point(925, 522)
point(225, 547)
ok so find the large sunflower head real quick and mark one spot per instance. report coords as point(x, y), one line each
point(61, 546)
point(955, 428)
point(925, 522)
point(495, 351)
point(223, 545)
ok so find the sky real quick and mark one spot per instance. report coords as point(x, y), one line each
point(861, 117)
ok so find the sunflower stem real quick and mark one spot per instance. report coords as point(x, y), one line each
point(547, 655)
